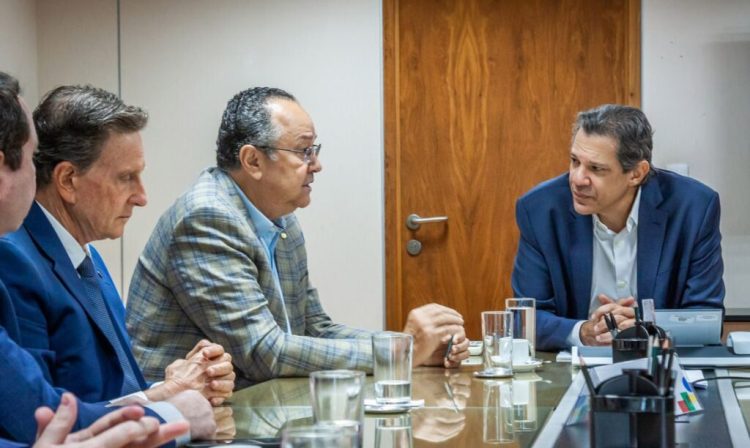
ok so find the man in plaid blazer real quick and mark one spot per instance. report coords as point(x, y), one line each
point(227, 261)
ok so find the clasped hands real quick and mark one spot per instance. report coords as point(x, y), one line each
point(207, 369)
point(432, 327)
point(595, 332)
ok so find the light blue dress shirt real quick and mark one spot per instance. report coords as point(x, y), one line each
point(614, 263)
point(269, 233)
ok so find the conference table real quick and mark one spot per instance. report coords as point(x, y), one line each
point(459, 409)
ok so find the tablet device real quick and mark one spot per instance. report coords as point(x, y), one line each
point(692, 327)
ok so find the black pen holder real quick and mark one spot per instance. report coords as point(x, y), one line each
point(632, 421)
point(632, 343)
point(632, 409)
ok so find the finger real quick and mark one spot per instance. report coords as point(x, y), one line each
point(602, 310)
point(626, 323)
point(604, 299)
point(202, 343)
point(627, 301)
point(604, 338)
point(166, 432)
point(59, 427)
point(216, 401)
point(220, 369)
point(222, 388)
point(127, 433)
point(437, 308)
point(43, 416)
point(212, 351)
point(108, 421)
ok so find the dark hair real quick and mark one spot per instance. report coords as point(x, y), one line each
point(246, 121)
point(74, 122)
point(14, 126)
point(627, 125)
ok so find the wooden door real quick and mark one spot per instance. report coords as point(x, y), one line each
point(480, 96)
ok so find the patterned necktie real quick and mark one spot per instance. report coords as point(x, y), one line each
point(104, 319)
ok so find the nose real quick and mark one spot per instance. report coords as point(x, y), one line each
point(579, 177)
point(314, 166)
point(139, 198)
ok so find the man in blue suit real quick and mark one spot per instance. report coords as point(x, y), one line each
point(78, 338)
point(612, 231)
point(24, 387)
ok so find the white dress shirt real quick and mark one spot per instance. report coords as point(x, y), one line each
point(614, 264)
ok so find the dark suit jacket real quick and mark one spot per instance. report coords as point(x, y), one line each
point(23, 387)
point(52, 308)
point(679, 261)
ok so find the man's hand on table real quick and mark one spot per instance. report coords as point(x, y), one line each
point(595, 332)
point(207, 369)
point(432, 327)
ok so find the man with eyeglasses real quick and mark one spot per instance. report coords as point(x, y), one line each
point(227, 261)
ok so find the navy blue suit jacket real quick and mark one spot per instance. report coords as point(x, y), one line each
point(52, 307)
point(679, 261)
point(24, 387)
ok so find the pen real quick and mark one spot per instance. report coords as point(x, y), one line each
point(448, 349)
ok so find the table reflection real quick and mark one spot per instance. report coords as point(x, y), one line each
point(460, 410)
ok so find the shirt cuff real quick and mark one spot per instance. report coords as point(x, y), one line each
point(169, 413)
point(134, 398)
point(574, 338)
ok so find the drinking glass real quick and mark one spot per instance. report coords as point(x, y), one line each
point(337, 398)
point(497, 334)
point(524, 320)
point(392, 356)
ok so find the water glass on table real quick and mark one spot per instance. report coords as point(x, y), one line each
point(392, 356)
point(524, 320)
point(497, 334)
point(337, 399)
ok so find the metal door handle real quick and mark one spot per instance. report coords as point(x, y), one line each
point(414, 221)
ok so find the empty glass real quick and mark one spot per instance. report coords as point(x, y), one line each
point(524, 320)
point(337, 398)
point(497, 334)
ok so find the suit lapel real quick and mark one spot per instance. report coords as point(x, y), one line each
point(580, 262)
point(652, 224)
point(49, 245)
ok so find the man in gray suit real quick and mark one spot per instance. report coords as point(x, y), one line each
point(227, 261)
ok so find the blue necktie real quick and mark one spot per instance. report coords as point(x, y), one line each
point(104, 319)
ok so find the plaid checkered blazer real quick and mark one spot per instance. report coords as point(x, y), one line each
point(205, 274)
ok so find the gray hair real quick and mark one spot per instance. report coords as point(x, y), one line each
point(247, 121)
point(627, 125)
point(74, 122)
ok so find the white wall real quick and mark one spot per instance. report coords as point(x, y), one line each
point(18, 54)
point(696, 93)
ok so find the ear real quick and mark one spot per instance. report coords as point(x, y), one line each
point(65, 180)
point(252, 161)
point(638, 174)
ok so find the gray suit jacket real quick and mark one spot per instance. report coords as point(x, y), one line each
point(205, 274)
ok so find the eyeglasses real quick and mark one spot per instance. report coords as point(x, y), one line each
point(308, 154)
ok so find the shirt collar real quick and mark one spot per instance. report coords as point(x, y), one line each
point(75, 252)
point(267, 230)
point(630, 224)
